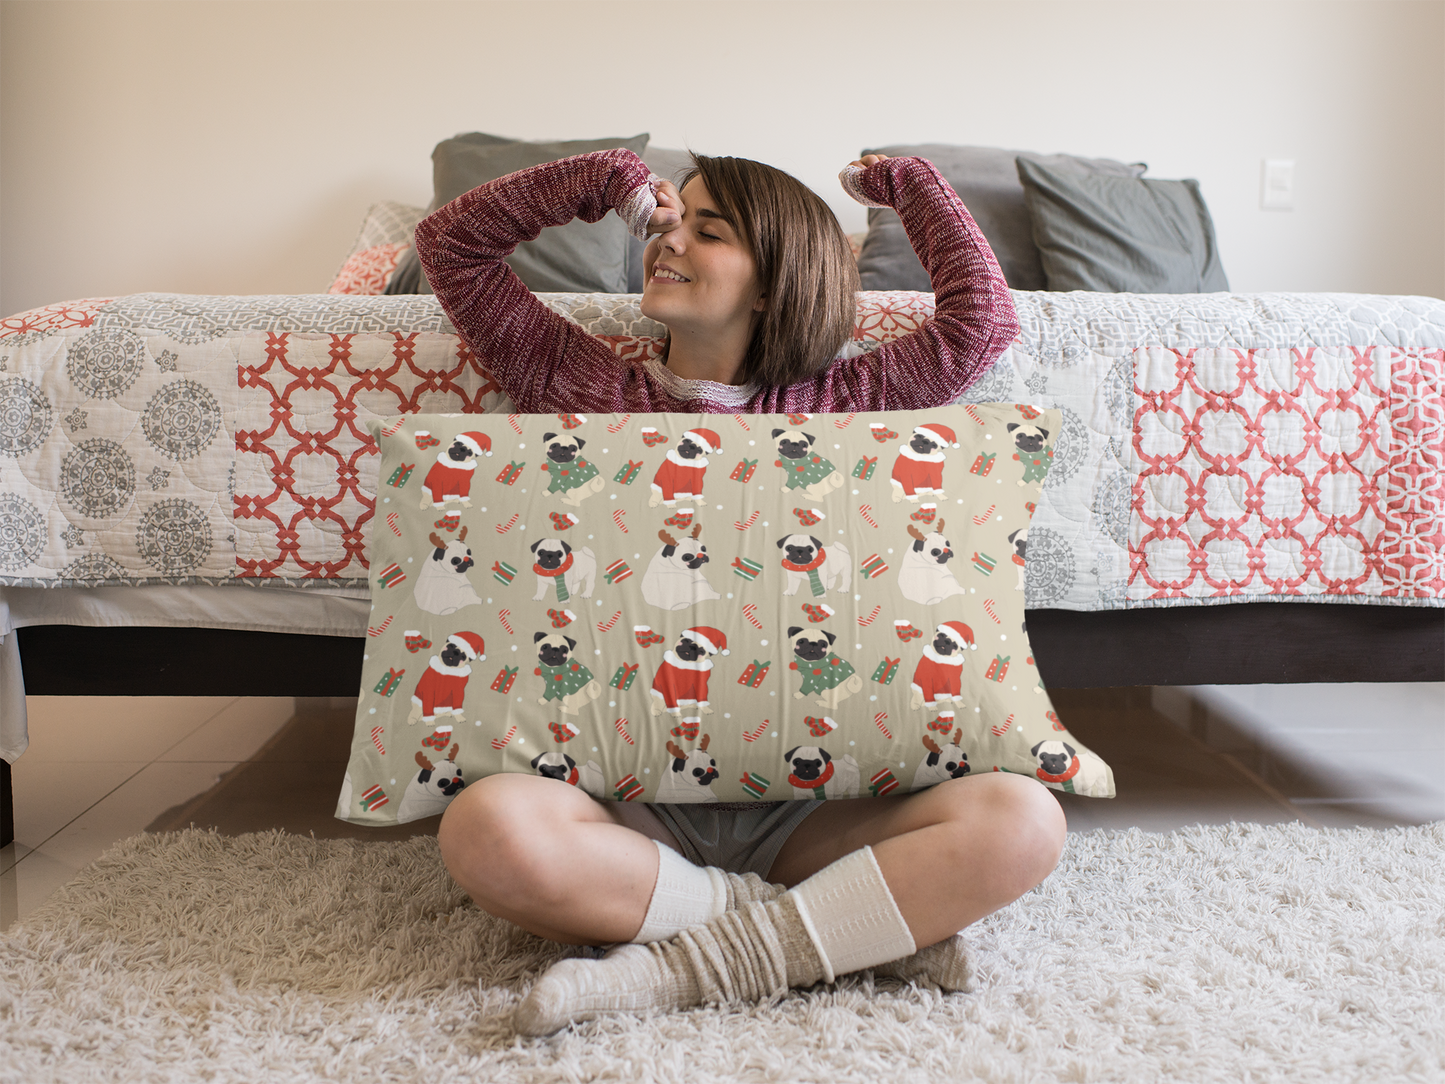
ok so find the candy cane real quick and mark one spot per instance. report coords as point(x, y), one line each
point(740, 525)
point(982, 518)
point(739, 419)
point(865, 511)
point(501, 743)
point(377, 630)
point(988, 605)
point(620, 424)
point(844, 423)
point(376, 733)
point(512, 421)
point(999, 730)
point(510, 523)
point(390, 430)
point(502, 616)
point(754, 735)
point(607, 625)
point(391, 521)
point(972, 412)
point(878, 722)
point(617, 519)
point(751, 613)
point(621, 725)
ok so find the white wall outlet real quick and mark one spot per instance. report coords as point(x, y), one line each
point(1276, 192)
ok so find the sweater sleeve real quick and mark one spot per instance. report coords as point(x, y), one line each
point(543, 361)
point(973, 322)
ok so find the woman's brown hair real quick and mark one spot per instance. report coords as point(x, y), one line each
point(804, 263)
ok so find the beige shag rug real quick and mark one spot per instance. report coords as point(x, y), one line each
point(1233, 953)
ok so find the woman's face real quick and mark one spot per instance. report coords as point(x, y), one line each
point(700, 276)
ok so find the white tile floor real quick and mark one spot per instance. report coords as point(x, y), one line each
point(101, 770)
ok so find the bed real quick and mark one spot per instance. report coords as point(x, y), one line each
point(1245, 488)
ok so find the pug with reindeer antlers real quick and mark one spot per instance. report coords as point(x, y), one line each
point(675, 577)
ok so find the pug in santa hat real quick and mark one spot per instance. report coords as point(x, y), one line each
point(681, 680)
point(918, 470)
point(443, 685)
point(450, 477)
point(679, 478)
point(938, 678)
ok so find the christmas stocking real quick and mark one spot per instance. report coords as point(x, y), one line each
point(818, 613)
point(561, 618)
point(925, 513)
point(449, 522)
point(563, 520)
point(881, 432)
point(807, 517)
point(944, 722)
point(906, 631)
point(651, 437)
point(681, 518)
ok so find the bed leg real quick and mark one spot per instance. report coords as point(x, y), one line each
point(7, 805)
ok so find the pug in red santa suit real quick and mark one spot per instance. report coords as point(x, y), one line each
point(443, 684)
point(938, 678)
point(681, 680)
point(918, 470)
point(680, 476)
point(450, 477)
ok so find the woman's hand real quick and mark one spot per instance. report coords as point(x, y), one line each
point(669, 209)
point(868, 160)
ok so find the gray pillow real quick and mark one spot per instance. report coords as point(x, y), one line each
point(987, 181)
point(1121, 234)
point(670, 165)
point(584, 257)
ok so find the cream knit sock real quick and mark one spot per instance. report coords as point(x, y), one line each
point(754, 952)
point(850, 915)
point(687, 895)
point(945, 965)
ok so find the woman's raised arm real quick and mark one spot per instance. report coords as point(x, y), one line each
point(539, 358)
point(974, 319)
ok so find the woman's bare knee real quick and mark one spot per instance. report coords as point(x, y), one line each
point(1018, 822)
point(493, 838)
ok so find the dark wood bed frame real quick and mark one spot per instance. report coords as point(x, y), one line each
point(1244, 644)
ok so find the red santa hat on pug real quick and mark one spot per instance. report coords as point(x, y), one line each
point(712, 640)
point(479, 443)
point(470, 644)
point(710, 441)
point(941, 435)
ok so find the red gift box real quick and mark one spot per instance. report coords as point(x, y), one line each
point(502, 683)
point(753, 674)
point(998, 668)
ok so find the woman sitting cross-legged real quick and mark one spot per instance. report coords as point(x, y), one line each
point(711, 903)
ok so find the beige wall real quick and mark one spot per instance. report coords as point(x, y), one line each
point(233, 147)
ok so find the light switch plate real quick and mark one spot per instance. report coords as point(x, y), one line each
point(1276, 192)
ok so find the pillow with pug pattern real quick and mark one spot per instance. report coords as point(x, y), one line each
point(704, 608)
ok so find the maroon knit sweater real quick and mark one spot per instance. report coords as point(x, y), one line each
point(547, 363)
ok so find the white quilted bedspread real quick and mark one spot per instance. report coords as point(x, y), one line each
point(1214, 448)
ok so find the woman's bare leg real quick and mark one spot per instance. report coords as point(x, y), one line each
point(951, 854)
point(553, 860)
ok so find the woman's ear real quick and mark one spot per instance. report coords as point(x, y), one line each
point(761, 304)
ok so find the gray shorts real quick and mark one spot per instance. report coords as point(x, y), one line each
point(737, 837)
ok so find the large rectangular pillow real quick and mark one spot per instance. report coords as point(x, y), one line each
point(702, 608)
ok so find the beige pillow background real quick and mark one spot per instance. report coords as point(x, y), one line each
point(595, 676)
